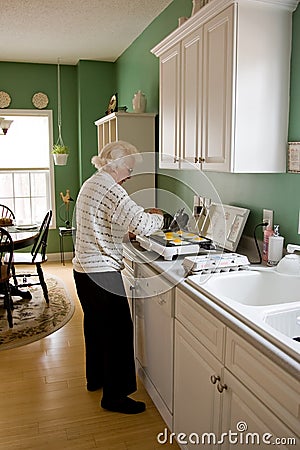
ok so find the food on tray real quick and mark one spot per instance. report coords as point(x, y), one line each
point(177, 241)
point(197, 239)
point(4, 222)
point(169, 235)
point(180, 237)
point(188, 235)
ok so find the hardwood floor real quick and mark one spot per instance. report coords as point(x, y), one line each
point(44, 402)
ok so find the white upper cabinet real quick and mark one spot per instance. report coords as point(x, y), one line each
point(191, 109)
point(224, 88)
point(218, 78)
point(169, 123)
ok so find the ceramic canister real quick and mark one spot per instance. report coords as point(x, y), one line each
point(139, 102)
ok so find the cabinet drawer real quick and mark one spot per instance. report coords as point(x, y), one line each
point(128, 265)
point(272, 385)
point(203, 325)
point(152, 282)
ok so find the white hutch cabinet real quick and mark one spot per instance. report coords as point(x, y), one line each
point(224, 88)
point(139, 130)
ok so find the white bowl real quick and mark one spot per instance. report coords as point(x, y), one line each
point(289, 265)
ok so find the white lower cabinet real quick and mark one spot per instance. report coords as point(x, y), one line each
point(213, 388)
point(128, 280)
point(198, 374)
point(275, 391)
point(197, 402)
point(154, 331)
point(247, 422)
point(237, 397)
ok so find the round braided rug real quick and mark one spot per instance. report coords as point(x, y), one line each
point(34, 319)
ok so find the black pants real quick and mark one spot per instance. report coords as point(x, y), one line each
point(108, 332)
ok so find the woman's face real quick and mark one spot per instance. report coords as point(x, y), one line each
point(125, 170)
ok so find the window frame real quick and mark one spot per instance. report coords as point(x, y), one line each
point(42, 113)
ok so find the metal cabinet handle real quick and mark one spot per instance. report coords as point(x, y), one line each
point(201, 160)
point(221, 387)
point(214, 379)
point(132, 288)
point(176, 159)
point(161, 300)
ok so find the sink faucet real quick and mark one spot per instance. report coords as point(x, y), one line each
point(291, 248)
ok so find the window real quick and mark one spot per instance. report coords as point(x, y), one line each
point(26, 169)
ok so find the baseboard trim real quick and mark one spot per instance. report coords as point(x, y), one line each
point(57, 256)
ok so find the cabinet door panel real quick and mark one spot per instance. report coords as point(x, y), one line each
point(170, 108)
point(218, 80)
point(203, 325)
point(191, 142)
point(276, 388)
point(242, 407)
point(154, 342)
point(197, 402)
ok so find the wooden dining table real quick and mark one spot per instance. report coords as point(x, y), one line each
point(23, 238)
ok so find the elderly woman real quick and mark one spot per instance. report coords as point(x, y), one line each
point(104, 214)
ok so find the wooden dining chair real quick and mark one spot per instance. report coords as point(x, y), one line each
point(36, 257)
point(6, 250)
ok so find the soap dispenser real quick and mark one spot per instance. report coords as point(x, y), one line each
point(275, 247)
point(268, 232)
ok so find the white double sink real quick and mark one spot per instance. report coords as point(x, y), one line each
point(268, 299)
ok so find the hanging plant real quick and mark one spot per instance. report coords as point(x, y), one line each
point(60, 154)
point(60, 151)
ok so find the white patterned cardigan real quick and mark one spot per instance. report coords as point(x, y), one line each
point(104, 214)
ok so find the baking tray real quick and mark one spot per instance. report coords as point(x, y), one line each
point(169, 238)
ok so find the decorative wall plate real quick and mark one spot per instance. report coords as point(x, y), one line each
point(4, 99)
point(40, 100)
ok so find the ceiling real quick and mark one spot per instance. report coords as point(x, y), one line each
point(43, 31)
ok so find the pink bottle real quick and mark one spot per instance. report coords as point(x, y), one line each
point(267, 233)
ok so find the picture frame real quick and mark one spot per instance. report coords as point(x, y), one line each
point(294, 157)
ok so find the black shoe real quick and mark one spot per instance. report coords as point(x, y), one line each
point(92, 387)
point(124, 405)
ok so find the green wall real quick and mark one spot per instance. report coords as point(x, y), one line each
point(280, 192)
point(85, 93)
point(96, 85)
point(21, 81)
point(137, 68)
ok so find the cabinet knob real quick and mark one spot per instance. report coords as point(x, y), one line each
point(132, 288)
point(221, 387)
point(161, 300)
point(201, 160)
point(214, 379)
point(176, 159)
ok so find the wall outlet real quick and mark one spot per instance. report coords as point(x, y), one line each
point(268, 216)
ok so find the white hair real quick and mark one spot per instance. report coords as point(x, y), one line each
point(112, 155)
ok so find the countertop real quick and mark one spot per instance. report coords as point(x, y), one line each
point(174, 272)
